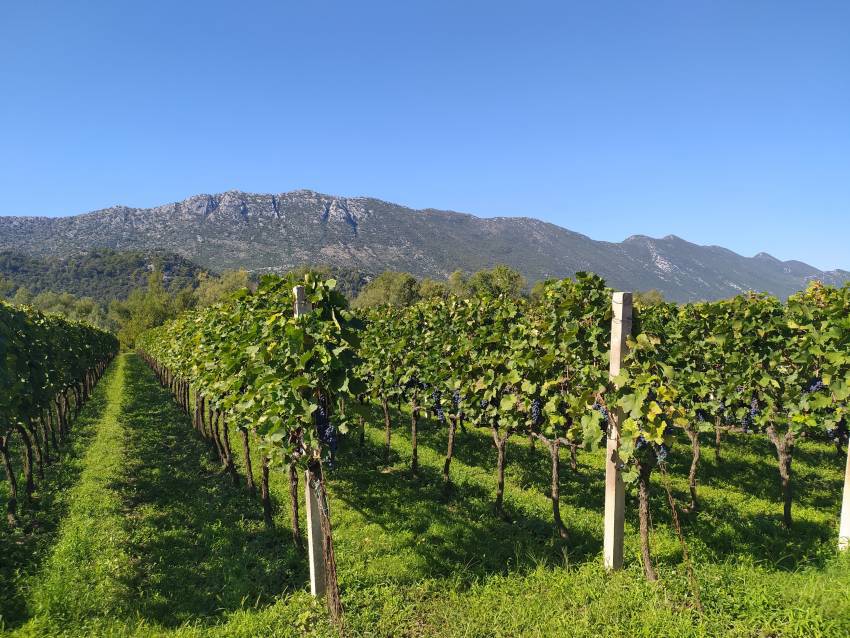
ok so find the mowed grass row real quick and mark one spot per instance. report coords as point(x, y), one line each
point(86, 573)
point(419, 559)
point(156, 540)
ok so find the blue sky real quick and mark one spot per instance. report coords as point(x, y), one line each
point(722, 122)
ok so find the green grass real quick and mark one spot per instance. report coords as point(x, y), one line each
point(87, 571)
point(157, 541)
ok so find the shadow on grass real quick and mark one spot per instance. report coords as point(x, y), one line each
point(453, 528)
point(732, 522)
point(22, 549)
point(748, 470)
point(199, 542)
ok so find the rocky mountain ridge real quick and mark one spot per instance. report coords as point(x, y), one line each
point(277, 232)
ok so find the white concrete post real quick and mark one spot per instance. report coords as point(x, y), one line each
point(615, 495)
point(844, 526)
point(314, 524)
point(302, 305)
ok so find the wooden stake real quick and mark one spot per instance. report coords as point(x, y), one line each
point(615, 495)
point(844, 527)
point(318, 586)
point(302, 304)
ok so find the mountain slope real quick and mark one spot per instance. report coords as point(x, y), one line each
point(101, 274)
point(279, 232)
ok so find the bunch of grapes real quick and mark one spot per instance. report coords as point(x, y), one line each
point(640, 443)
point(436, 398)
point(456, 399)
point(701, 415)
point(669, 430)
point(325, 430)
point(748, 423)
point(815, 385)
point(603, 422)
point(661, 452)
point(535, 411)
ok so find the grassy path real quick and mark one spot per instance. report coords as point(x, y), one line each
point(86, 575)
point(157, 541)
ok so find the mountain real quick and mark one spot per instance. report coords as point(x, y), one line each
point(102, 274)
point(279, 232)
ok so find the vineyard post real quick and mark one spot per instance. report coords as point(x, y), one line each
point(314, 524)
point(615, 495)
point(844, 527)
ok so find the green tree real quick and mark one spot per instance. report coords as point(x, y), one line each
point(649, 297)
point(457, 284)
point(146, 308)
point(212, 289)
point(501, 280)
point(393, 288)
point(23, 297)
point(433, 289)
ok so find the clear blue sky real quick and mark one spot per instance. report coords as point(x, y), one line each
point(723, 122)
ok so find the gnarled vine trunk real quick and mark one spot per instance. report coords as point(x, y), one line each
point(573, 456)
point(554, 447)
point(644, 472)
point(450, 446)
point(718, 431)
point(246, 453)
point(387, 430)
point(784, 445)
point(230, 466)
point(265, 496)
point(29, 483)
point(693, 435)
point(12, 501)
point(293, 503)
point(414, 420)
point(501, 443)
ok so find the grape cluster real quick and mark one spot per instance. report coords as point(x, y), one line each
point(325, 430)
point(535, 411)
point(456, 399)
point(815, 385)
point(748, 421)
point(640, 443)
point(603, 423)
point(436, 399)
point(661, 452)
point(669, 430)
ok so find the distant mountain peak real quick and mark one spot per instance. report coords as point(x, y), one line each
point(766, 257)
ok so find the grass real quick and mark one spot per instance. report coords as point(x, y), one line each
point(179, 551)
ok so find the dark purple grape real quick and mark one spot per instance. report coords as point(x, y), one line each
point(814, 385)
point(535, 411)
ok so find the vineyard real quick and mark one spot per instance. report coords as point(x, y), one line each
point(483, 466)
point(51, 366)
